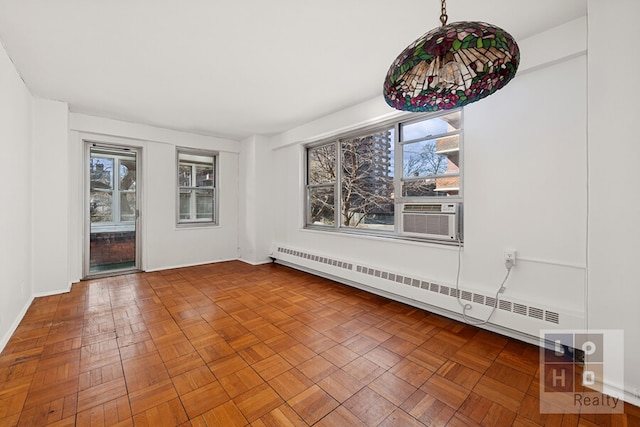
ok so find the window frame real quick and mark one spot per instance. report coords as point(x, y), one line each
point(116, 192)
point(398, 177)
point(308, 187)
point(195, 222)
point(401, 143)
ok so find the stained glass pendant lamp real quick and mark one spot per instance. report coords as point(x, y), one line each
point(451, 66)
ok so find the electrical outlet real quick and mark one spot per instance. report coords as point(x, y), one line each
point(510, 257)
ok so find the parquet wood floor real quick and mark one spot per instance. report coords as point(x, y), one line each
point(231, 344)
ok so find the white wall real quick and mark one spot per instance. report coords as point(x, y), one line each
point(42, 233)
point(50, 198)
point(525, 169)
point(163, 244)
point(614, 174)
point(16, 108)
point(256, 208)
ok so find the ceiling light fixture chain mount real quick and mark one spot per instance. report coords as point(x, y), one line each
point(443, 12)
point(451, 66)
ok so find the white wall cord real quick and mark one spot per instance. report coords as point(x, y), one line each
point(467, 306)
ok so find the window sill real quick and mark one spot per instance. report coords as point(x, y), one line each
point(195, 225)
point(386, 237)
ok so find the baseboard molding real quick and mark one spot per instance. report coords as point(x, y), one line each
point(15, 324)
point(625, 395)
point(266, 261)
point(152, 270)
point(56, 292)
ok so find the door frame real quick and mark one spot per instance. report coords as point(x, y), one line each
point(86, 252)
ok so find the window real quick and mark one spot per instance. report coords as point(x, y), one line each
point(321, 184)
point(356, 182)
point(112, 190)
point(431, 156)
point(196, 187)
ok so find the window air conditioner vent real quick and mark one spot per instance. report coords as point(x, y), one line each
point(431, 220)
point(422, 207)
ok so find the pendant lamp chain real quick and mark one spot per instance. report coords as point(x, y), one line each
point(443, 13)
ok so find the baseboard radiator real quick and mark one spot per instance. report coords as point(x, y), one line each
point(513, 317)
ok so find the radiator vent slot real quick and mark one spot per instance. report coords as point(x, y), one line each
point(520, 309)
point(536, 313)
point(551, 316)
point(434, 288)
point(504, 305)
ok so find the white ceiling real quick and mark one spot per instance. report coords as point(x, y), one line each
point(232, 68)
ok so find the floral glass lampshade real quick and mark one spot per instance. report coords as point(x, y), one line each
point(451, 66)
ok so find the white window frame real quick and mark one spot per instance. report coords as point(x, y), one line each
point(116, 224)
point(398, 178)
point(194, 162)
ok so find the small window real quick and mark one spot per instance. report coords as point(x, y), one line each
point(113, 190)
point(196, 187)
point(431, 156)
point(322, 181)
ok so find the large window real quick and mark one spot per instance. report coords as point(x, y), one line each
point(196, 187)
point(358, 181)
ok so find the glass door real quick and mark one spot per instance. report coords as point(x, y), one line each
point(112, 210)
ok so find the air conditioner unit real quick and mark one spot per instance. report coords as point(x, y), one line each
point(432, 220)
